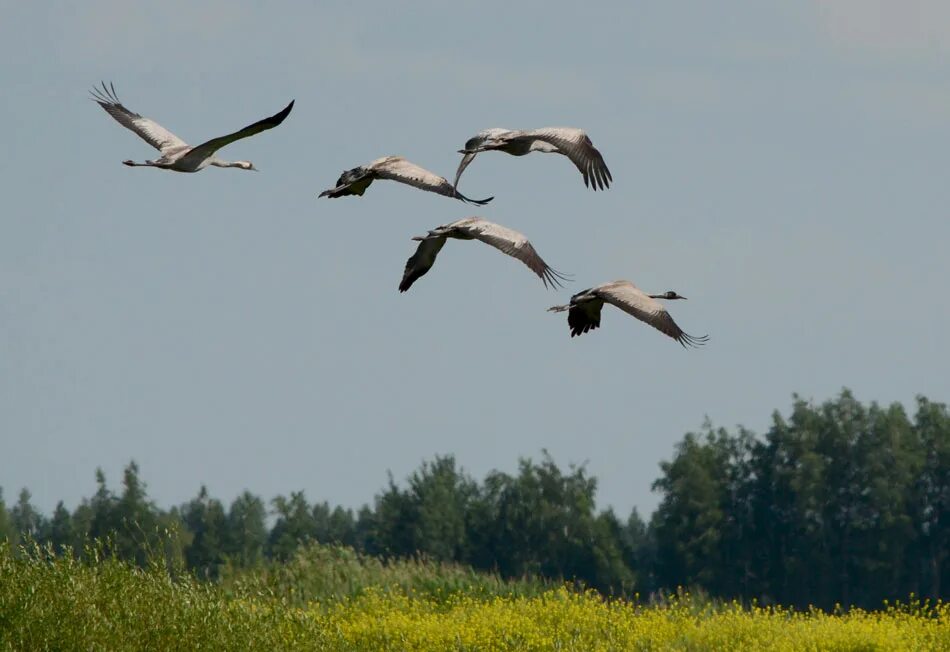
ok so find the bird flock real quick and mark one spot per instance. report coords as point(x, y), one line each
point(583, 310)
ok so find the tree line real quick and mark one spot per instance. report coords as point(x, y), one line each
point(836, 503)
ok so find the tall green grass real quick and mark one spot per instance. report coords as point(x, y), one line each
point(328, 573)
point(52, 601)
point(333, 599)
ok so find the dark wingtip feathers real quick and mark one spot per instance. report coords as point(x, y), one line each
point(554, 279)
point(277, 118)
point(687, 340)
point(476, 202)
point(106, 96)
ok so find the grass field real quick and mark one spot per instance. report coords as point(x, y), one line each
point(50, 603)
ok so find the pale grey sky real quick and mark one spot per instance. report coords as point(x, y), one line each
point(782, 164)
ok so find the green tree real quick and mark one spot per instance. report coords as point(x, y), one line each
point(689, 522)
point(392, 523)
point(334, 525)
point(7, 531)
point(542, 522)
point(247, 530)
point(932, 496)
point(102, 516)
point(638, 548)
point(206, 521)
point(889, 458)
point(787, 506)
point(136, 518)
point(294, 525)
point(27, 522)
point(59, 529)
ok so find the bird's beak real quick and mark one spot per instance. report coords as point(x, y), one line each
point(462, 151)
point(682, 297)
point(418, 238)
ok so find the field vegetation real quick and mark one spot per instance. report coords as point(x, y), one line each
point(330, 598)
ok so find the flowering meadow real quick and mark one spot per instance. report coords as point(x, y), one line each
point(50, 602)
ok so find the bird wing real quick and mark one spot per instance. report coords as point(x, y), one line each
point(632, 300)
point(421, 261)
point(584, 316)
point(396, 168)
point(510, 242)
point(148, 130)
point(577, 146)
point(208, 148)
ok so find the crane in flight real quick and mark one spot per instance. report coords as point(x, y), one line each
point(584, 310)
point(501, 238)
point(177, 155)
point(395, 168)
point(572, 143)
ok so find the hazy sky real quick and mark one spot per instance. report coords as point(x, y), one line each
point(784, 165)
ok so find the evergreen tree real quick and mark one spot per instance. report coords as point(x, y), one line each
point(247, 530)
point(294, 525)
point(28, 523)
point(59, 530)
point(102, 521)
point(136, 518)
point(206, 521)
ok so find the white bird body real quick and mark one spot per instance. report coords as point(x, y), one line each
point(395, 168)
point(506, 240)
point(585, 307)
point(176, 154)
point(572, 143)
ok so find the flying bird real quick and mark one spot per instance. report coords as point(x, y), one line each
point(178, 155)
point(502, 238)
point(572, 143)
point(585, 308)
point(395, 168)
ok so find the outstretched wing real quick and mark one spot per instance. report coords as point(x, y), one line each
point(513, 243)
point(421, 261)
point(396, 168)
point(577, 146)
point(208, 148)
point(632, 300)
point(148, 130)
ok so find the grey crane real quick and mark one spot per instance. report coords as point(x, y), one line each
point(585, 308)
point(572, 143)
point(177, 155)
point(395, 168)
point(506, 240)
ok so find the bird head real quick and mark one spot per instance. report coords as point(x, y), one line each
point(483, 140)
point(670, 294)
point(246, 165)
point(472, 145)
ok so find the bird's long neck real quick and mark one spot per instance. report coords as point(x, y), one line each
point(218, 163)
